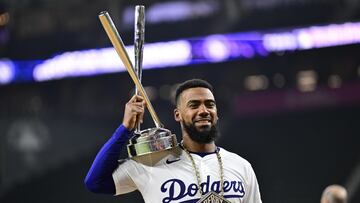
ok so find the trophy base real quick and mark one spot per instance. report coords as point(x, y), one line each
point(150, 141)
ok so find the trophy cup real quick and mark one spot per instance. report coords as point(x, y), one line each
point(152, 140)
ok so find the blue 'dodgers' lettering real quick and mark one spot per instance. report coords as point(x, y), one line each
point(169, 186)
point(176, 189)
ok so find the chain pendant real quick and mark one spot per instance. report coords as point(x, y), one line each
point(213, 197)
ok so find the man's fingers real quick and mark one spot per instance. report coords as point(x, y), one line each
point(138, 104)
point(139, 98)
point(134, 111)
point(133, 99)
point(138, 109)
point(136, 98)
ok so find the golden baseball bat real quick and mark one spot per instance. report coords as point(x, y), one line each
point(116, 41)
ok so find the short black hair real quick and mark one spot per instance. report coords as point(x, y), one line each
point(193, 83)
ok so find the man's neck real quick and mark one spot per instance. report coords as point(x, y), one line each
point(193, 146)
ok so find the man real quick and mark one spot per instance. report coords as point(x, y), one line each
point(201, 170)
point(334, 194)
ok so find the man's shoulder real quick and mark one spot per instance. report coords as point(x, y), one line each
point(233, 157)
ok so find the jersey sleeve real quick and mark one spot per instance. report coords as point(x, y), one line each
point(130, 176)
point(253, 193)
point(122, 178)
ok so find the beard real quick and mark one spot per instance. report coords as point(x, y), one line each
point(205, 136)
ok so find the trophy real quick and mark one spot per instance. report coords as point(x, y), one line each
point(152, 140)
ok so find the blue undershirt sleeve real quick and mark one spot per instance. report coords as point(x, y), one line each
point(99, 178)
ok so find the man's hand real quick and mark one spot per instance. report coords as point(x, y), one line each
point(134, 112)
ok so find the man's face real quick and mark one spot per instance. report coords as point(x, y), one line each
point(197, 113)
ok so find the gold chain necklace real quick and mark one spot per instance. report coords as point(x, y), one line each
point(197, 173)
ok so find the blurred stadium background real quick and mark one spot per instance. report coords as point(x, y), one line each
point(286, 75)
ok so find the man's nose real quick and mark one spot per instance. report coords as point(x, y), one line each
point(203, 110)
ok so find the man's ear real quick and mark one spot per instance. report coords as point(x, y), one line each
point(177, 115)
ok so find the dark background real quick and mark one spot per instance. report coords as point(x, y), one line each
point(298, 142)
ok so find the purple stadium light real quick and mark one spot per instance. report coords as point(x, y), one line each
point(216, 48)
point(209, 49)
point(101, 61)
point(7, 72)
point(313, 37)
point(172, 11)
point(326, 36)
point(280, 41)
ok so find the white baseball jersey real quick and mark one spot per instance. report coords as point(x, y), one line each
point(172, 179)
